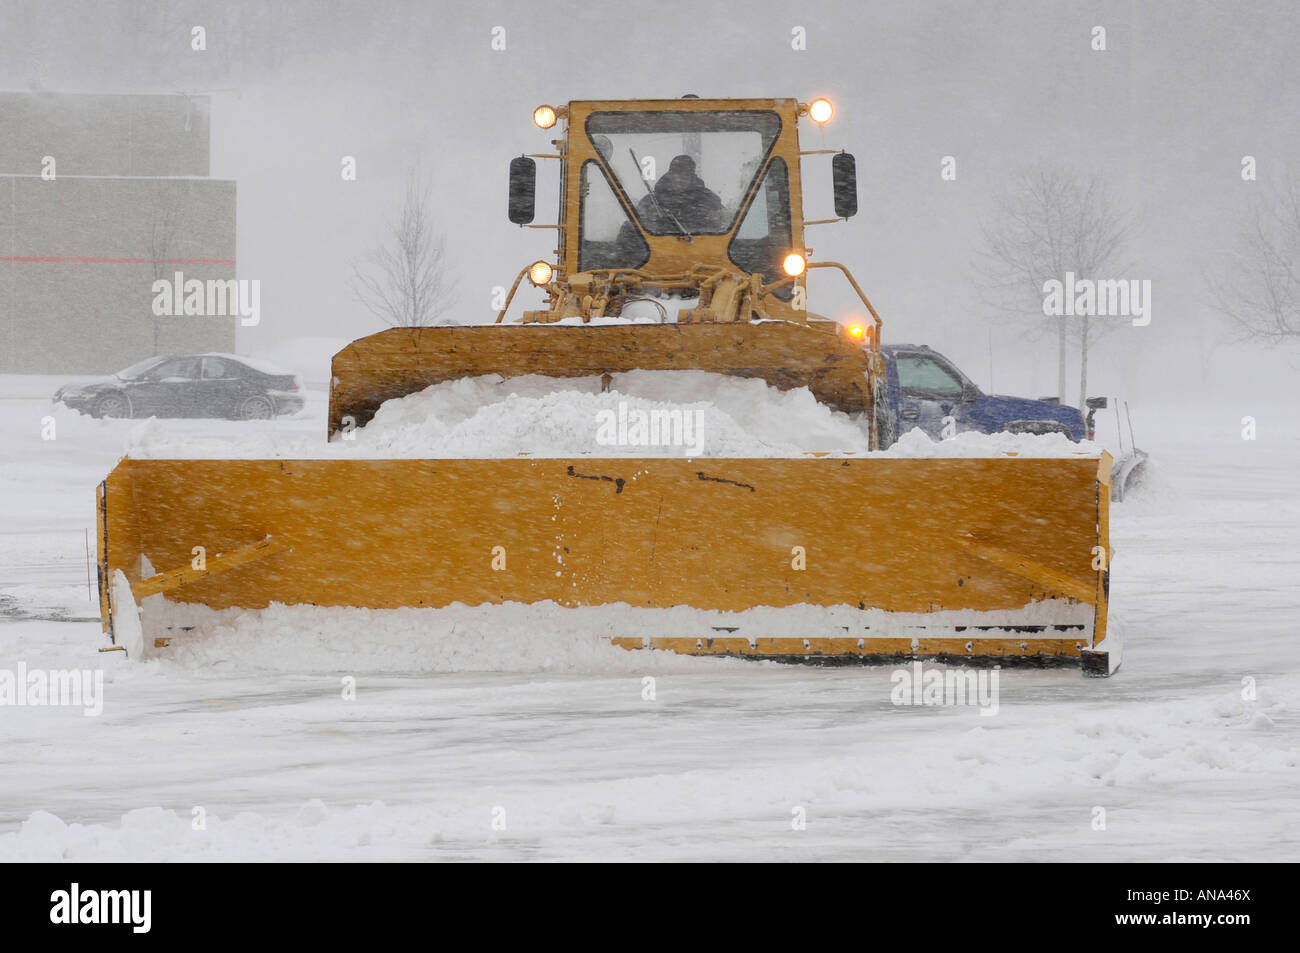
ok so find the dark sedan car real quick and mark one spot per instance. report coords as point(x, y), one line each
point(196, 385)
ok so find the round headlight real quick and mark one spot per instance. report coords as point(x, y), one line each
point(820, 110)
point(540, 273)
point(794, 264)
point(544, 117)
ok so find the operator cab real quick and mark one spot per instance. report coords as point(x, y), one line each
point(684, 174)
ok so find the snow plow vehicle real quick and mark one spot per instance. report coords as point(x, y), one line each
point(681, 246)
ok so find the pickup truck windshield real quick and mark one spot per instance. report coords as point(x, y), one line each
point(924, 376)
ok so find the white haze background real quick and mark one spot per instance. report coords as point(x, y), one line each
point(1166, 113)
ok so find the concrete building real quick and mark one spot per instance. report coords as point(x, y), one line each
point(99, 196)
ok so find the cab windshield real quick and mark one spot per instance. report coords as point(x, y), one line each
point(684, 173)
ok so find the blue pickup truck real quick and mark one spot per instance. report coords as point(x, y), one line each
point(925, 388)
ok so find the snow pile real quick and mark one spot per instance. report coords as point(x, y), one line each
point(517, 637)
point(1153, 489)
point(720, 417)
point(313, 831)
point(328, 639)
point(126, 622)
point(645, 414)
point(915, 443)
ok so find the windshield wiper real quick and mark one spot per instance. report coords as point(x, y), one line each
point(655, 199)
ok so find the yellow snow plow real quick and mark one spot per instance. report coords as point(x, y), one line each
point(681, 247)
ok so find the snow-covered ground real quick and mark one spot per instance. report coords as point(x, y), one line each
point(536, 744)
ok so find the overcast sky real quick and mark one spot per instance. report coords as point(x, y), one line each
point(1166, 113)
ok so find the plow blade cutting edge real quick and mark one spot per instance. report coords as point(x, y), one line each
point(828, 558)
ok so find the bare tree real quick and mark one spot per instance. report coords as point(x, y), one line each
point(1050, 221)
point(404, 281)
point(1259, 289)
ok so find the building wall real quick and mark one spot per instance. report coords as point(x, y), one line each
point(94, 134)
point(79, 253)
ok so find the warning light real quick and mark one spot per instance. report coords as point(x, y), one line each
point(540, 273)
point(820, 111)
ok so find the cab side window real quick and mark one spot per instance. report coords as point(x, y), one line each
point(764, 237)
point(606, 236)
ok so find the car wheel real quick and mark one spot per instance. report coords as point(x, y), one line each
point(256, 408)
point(112, 405)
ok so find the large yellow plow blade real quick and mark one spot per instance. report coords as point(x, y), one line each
point(918, 537)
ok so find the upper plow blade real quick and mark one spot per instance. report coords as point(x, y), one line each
point(401, 361)
point(852, 557)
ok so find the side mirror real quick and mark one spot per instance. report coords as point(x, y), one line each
point(1097, 403)
point(844, 175)
point(523, 190)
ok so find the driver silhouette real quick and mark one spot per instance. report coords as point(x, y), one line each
point(683, 194)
